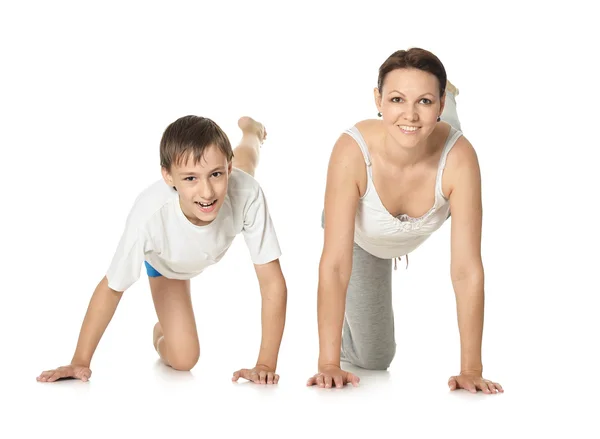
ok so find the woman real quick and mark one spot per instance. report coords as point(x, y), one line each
point(390, 184)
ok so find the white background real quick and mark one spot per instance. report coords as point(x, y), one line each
point(85, 93)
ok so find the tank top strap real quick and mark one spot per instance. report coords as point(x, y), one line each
point(357, 136)
point(453, 136)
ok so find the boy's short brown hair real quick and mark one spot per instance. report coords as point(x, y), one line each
point(191, 135)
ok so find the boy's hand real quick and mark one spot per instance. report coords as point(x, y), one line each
point(260, 374)
point(74, 371)
point(333, 376)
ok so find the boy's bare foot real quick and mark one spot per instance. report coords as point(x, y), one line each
point(451, 88)
point(250, 126)
point(156, 335)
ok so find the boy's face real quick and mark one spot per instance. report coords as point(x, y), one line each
point(202, 186)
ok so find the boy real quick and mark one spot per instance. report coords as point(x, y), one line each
point(179, 226)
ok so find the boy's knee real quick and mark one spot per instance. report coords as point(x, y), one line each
point(184, 360)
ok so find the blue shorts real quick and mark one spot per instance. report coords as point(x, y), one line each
point(151, 271)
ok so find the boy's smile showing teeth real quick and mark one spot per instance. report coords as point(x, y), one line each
point(206, 207)
point(206, 204)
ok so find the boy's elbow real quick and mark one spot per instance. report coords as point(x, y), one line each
point(275, 288)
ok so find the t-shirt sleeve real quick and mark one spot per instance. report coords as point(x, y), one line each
point(126, 265)
point(259, 232)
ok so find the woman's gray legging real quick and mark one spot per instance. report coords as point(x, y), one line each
point(368, 333)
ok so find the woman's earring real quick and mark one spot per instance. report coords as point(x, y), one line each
point(439, 118)
point(379, 114)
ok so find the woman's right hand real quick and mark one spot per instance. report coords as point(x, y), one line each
point(333, 375)
point(73, 371)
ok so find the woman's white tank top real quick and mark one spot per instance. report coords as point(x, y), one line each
point(385, 236)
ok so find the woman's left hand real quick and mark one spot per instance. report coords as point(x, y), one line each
point(473, 383)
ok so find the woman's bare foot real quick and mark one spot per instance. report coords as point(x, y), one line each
point(250, 126)
point(451, 88)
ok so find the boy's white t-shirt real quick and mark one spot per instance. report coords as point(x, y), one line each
point(157, 231)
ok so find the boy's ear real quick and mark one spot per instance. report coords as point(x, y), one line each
point(229, 167)
point(167, 177)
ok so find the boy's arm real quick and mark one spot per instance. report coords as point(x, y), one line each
point(124, 270)
point(100, 311)
point(261, 240)
point(274, 302)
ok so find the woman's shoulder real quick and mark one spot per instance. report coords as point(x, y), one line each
point(461, 162)
point(461, 154)
point(370, 130)
point(369, 127)
point(347, 154)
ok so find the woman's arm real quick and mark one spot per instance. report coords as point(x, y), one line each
point(341, 200)
point(466, 264)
